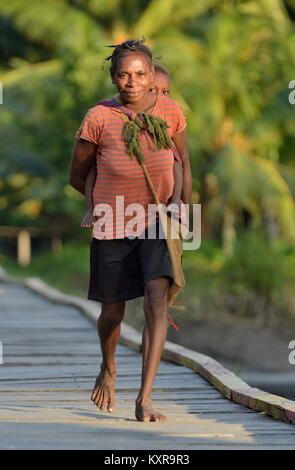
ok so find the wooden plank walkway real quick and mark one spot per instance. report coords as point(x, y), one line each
point(50, 360)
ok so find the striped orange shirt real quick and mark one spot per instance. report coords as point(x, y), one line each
point(121, 181)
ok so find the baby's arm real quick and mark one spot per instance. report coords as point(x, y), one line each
point(88, 218)
point(180, 141)
point(178, 182)
point(83, 155)
point(174, 201)
point(89, 185)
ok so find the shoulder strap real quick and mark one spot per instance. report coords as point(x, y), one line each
point(114, 104)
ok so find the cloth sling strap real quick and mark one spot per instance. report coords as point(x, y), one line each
point(172, 228)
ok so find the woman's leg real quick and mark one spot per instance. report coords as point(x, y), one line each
point(108, 327)
point(154, 336)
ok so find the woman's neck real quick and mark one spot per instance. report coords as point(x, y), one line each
point(143, 107)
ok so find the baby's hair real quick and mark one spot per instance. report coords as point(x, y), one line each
point(160, 69)
point(131, 45)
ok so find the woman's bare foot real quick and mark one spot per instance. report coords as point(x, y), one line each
point(103, 394)
point(88, 219)
point(144, 412)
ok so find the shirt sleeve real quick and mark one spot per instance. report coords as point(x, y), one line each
point(178, 120)
point(90, 128)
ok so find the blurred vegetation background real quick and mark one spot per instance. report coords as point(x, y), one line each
point(231, 63)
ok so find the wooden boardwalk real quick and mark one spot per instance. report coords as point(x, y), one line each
point(50, 360)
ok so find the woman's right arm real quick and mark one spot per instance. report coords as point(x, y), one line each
point(83, 156)
point(89, 185)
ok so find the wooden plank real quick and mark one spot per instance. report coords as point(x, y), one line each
point(48, 377)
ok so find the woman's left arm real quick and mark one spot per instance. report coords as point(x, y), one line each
point(181, 143)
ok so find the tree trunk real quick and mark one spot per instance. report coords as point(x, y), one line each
point(228, 232)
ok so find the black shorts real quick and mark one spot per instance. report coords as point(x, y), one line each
point(120, 268)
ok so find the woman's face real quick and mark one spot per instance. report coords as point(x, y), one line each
point(133, 77)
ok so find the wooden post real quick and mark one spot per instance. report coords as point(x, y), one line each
point(56, 243)
point(23, 247)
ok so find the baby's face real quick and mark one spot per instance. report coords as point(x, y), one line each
point(161, 84)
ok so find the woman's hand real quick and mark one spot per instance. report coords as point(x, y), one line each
point(180, 141)
point(173, 208)
point(88, 219)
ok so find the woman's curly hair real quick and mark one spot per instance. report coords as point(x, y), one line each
point(131, 45)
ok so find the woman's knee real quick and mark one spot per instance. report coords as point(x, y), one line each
point(155, 297)
point(113, 312)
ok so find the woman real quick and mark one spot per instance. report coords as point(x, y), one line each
point(124, 268)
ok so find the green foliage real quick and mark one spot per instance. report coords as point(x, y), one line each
point(259, 265)
point(67, 269)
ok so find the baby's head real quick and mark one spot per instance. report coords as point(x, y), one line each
point(162, 81)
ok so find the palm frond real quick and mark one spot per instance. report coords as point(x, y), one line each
point(49, 21)
point(28, 71)
point(161, 14)
point(288, 173)
point(275, 195)
point(255, 184)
